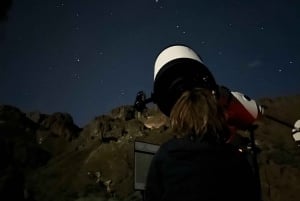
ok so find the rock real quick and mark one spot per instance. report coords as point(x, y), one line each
point(103, 129)
point(61, 125)
point(156, 121)
point(104, 148)
point(11, 113)
point(36, 117)
point(124, 112)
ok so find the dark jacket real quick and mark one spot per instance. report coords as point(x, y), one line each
point(199, 170)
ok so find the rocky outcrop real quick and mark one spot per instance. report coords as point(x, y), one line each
point(36, 117)
point(156, 121)
point(19, 152)
point(124, 112)
point(55, 132)
point(61, 125)
point(60, 161)
point(280, 157)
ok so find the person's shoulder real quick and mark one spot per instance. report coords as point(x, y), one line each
point(169, 145)
point(173, 142)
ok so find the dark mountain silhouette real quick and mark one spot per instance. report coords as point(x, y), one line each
point(47, 157)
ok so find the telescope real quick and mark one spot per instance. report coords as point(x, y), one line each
point(178, 68)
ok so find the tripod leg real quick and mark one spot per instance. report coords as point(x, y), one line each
point(255, 164)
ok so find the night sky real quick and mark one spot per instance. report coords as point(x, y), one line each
point(86, 57)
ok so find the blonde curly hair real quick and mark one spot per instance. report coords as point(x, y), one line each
point(197, 112)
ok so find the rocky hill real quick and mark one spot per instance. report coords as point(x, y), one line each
point(47, 157)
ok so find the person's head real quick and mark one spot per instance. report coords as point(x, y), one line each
point(197, 112)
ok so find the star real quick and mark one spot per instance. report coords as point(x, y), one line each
point(75, 76)
point(122, 92)
point(61, 4)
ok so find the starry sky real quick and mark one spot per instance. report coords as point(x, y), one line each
point(86, 57)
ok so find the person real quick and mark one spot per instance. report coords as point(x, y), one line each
point(197, 164)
